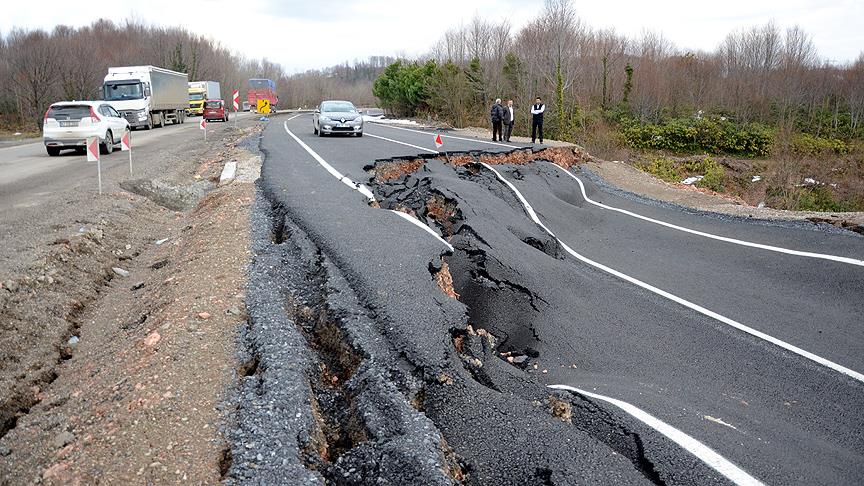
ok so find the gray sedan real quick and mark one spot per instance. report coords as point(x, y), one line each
point(337, 117)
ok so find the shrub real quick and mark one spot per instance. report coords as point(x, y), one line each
point(700, 135)
point(662, 168)
point(714, 175)
point(806, 144)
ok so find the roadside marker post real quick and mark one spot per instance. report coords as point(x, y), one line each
point(93, 156)
point(126, 145)
point(203, 126)
point(236, 100)
point(440, 143)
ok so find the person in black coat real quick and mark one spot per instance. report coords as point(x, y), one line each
point(497, 117)
point(537, 110)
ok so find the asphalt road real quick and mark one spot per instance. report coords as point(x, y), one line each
point(783, 413)
point(28, 174)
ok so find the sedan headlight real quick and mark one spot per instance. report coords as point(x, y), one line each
point(323, 118)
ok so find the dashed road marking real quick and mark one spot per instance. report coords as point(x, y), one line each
point(686, 303)
point(704, 453)
point(851, 261)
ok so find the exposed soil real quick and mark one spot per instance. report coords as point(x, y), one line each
point(119, 339)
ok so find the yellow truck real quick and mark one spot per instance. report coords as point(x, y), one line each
point(199, 92)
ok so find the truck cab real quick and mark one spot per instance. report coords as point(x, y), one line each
point(147, 96)
point(197, 96)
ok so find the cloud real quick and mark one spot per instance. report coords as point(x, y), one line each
point(301, 35)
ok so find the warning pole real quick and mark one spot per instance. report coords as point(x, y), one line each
point(126, 144)
point(93, 156)
point(203, 126)
point(236, 100)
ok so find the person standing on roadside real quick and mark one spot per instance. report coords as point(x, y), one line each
point(509, 119)
point(497, 117)
point(537, 110)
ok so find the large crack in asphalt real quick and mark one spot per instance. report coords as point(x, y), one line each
point(331, 392)
point(502, 312)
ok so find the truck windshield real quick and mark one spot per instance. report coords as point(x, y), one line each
point(196, 96)
point(260, 83)
point(123, 91)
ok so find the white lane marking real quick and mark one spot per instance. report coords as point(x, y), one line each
point(416, 222)
point(293, 117)
point(704, 453)
point(362, 189)
point(402, 143)
point(449, 136)
point(778, 249)
point(329, 168)
point(686, 303)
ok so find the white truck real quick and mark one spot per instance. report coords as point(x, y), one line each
point(147, 96)
point(199, 92)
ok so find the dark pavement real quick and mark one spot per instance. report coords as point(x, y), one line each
point(777, 415)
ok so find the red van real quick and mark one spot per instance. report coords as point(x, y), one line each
point(215, 110)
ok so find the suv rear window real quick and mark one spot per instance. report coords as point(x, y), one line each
point(213, 104)
point(69, 112)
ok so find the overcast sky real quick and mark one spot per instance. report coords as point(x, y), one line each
point(306, 34)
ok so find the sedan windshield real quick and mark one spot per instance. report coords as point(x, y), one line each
point(338, 107)
point(123, 91)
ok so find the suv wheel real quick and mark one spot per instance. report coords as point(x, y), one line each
point(53, 151)
point(108, 144)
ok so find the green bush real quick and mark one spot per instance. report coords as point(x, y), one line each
point(662, 168)
point(713, 174)
point(687, 135)
point(806, 144)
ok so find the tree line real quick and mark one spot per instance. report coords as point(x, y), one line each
point(39, 67)
point(764, 75)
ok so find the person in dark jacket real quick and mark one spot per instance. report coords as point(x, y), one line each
point(537, 110)
point(497, 117)
point(509, 119)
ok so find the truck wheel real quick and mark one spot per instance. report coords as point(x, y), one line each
point(108, 144)
point(162, 120)
point(53, 151)
point(149, 123)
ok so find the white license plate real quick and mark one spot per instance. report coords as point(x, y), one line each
point(73, 123)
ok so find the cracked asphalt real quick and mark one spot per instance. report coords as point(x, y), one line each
point(362, 370)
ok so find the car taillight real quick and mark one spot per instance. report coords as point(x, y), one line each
point(45, 120)
point(93, 116)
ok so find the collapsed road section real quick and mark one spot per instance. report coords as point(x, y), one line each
point(375, 356)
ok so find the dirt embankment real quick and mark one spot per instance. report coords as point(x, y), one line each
point(119, 343)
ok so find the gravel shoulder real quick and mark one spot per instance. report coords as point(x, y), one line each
point(118, 331)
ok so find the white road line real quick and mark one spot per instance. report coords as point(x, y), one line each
point(686, 303)
point(293, 117)
point(416, 222)
point(362, 189)
point(851, 261)
point(401, 143)
point(704, 453)
point(448, 136)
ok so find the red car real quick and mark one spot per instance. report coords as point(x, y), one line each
point(215, 110)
